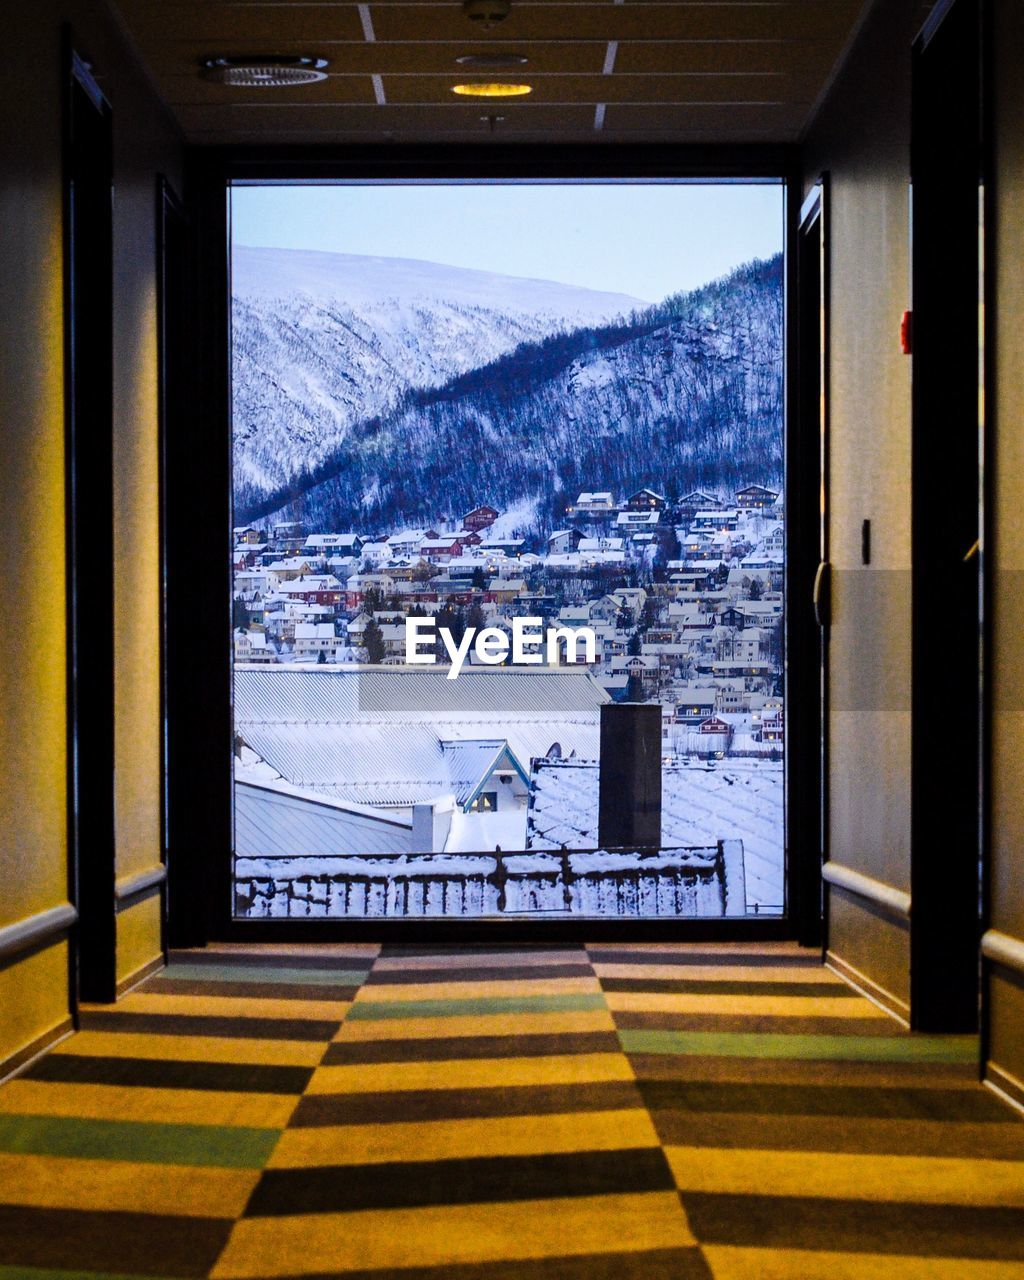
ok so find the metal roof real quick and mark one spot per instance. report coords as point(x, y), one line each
point(374, 735)
point(270, 821)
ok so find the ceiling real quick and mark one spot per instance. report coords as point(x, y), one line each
point(721, 71)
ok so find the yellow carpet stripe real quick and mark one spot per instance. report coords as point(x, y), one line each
point(458, 1139)
point(453, 1234)
point(754, 1006)
point(731, 1263)
point(233, 1007)
point(901, 1179)
point(165, 1048)
point(471, 1073)
point(718, 973)
point(161, 1106)
point(54, 1182)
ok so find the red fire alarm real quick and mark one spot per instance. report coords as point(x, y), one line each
point(907, 333)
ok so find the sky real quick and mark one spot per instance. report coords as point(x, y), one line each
point(643, 239)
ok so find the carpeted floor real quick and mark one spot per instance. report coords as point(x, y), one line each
point(615, 1113)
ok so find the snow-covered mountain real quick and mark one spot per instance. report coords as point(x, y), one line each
point(684, 395)
point(323, 341)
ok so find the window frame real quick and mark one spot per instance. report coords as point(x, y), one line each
point(210, 172)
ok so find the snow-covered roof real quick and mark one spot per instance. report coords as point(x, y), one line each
point(271, 818)
point(374, 735)
point(701, 804)
point(471, 764)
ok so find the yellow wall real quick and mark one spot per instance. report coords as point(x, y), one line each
point(33, 784)
point(862, 137)
point(1006, 989)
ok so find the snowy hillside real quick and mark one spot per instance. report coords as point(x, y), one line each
point(683, 395)
point(323, 341)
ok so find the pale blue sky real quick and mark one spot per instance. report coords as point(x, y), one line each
point(643, 239)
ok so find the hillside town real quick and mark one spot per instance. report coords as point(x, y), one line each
point(366, 784)
point(684, 597)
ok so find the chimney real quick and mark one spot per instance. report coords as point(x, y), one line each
point(629, 810)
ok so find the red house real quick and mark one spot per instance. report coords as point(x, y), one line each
point(479, 518)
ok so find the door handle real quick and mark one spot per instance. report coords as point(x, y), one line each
point(822, 594)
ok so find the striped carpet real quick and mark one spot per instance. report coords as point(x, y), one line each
point(650, 1112)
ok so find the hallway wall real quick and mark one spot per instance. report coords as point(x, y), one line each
point(862, 138)
point(33, 756)
point(1005, 990)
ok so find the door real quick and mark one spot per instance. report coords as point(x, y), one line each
point(89, 523)
point(946, 519)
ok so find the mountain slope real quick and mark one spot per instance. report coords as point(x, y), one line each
point(685, 394)
point(322, 341)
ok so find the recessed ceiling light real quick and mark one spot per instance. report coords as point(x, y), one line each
point(492, 90)
point(264, 71)
point(490, 61)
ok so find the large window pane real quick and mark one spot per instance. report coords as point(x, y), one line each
point(506, 455)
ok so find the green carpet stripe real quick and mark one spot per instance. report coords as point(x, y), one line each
point(371, 1010)
point(838, 1048)
point(139, 1141)
point(266, 973)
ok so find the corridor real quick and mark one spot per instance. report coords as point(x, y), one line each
point(617, 1112)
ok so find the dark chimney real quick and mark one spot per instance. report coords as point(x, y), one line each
point(629, 811)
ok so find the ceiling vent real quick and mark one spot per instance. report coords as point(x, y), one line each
point(487, 12)
point(264, 71)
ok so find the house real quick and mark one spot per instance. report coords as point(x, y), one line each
point(513, 548)
point(341, 544)
point(287, 570)
point(645, 500)
point(637, 520)
point(252, 646)
point(756, 498)
point(313, 639)
point(591, 505)
point(440, 550)
point(376, 553)
point(696, 706)
point(563, 540)
point(479, 518)
point(245, 535)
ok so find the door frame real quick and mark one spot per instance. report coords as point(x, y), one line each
point(808, 571)
point(209, 174)
point(89, 515)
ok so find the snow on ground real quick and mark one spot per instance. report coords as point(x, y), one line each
point(361, 280)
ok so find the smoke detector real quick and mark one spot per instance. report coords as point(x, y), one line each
point(487, 12)
point(264, 71)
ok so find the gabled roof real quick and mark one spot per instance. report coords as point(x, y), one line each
point(471, 763)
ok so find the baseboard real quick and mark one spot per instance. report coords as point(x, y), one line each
point(1004, 1085)
point(28, 1053)
point(886, 1001)
point(140, 975)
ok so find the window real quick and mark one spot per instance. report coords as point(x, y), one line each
point(484, 488)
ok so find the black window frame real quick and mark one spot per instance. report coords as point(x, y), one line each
point(207, 778)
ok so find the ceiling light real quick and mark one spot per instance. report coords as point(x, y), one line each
point(491, 61)
point(264, 71)
point(492, 90)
